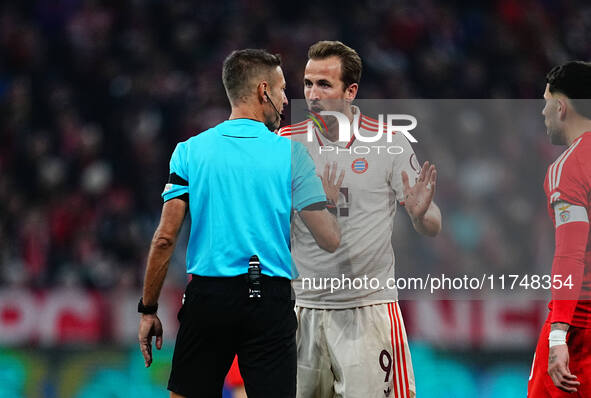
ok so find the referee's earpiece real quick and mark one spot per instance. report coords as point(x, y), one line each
point(281, 116)
point(265, 90)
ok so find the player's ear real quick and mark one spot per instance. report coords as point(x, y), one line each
point(351, 92)
point(561, 105)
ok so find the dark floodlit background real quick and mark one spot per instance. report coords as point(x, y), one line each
point(94, 96)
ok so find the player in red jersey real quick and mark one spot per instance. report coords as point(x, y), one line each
point(562, 362)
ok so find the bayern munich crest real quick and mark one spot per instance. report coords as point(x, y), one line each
point(359, 165)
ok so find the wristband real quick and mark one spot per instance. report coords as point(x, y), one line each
point(146, 309)
point(557, 337)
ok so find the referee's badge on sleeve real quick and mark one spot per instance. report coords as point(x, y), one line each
point(167, 187)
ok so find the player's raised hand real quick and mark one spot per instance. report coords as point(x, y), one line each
point(331, 185)
point(558, 369)
point(150, 326)
point(418, 198)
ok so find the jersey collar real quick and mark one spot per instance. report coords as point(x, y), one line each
point(244, 127)
point(322, 140)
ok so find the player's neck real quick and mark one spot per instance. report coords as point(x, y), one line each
point(577, 129)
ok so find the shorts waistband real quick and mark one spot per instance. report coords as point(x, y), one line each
point(271, 286)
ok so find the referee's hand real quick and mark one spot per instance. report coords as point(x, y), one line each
point(150, 326)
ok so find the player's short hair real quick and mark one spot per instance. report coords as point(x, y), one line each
point(351, 66)
point(573, 79)
point(242, 66)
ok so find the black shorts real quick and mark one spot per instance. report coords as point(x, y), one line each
point(219, 320)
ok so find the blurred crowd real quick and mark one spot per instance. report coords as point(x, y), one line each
point(95, 95)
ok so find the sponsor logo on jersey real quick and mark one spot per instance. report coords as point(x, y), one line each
point(359, 165)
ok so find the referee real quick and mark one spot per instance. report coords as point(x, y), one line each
point(240, 183)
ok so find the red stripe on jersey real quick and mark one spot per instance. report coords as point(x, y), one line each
point(394, 368)
point(374, 129)
point(398, 356)
point(295, 125)
point(399, 317)
point(321, 119)
point(371, 122)
point(296, 133)
point(297, 130)
point(299, 127)
point(350, 142)
point(318, 138)
point(286, 131)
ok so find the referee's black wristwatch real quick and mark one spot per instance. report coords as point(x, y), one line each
point(146, 309)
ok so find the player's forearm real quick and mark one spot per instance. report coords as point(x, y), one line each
point(570, 272)
point(324, 228)
point(560, 326)
point(430, 223)
point(328, 233)
point(159, 257)
point(568, 267)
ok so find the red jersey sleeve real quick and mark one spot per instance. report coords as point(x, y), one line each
point(567, 182)
point(567, 178)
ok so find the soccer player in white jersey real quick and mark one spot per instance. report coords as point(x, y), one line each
point(352, 342)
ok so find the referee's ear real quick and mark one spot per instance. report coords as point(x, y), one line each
point(262, 88)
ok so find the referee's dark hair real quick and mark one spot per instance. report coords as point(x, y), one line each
point(242, 66)
point(573, 79)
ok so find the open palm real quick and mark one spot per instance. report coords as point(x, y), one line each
point(418, 198)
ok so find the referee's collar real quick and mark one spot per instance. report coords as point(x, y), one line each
point(244, 127)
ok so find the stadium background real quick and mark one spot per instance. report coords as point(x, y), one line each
point(95, 94)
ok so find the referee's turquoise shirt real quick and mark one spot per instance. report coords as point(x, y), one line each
point(242, 182)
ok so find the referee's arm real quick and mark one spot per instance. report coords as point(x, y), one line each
point(161, 249)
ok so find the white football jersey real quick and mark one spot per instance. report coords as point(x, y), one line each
point(371, 188)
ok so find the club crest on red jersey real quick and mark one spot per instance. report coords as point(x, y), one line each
point(564, 213)
point(565, 216)
point(359, 165)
